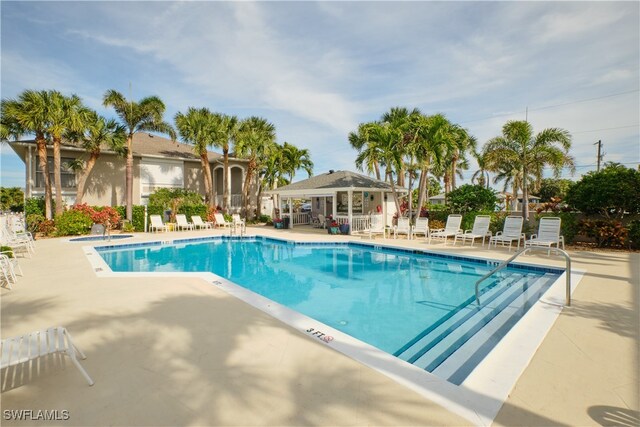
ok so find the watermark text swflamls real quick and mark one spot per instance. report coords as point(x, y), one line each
point(36, 414)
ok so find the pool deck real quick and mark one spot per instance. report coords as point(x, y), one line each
point(178, 351)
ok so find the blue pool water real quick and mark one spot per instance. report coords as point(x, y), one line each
point(418, 307)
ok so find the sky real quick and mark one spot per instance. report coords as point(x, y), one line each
point(318, 69)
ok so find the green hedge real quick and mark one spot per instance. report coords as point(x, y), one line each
point(72, 223)
point(191, 210)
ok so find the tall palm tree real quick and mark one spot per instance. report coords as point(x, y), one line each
point(28, 114)
point(98, 133)
point(255, 136)
point(367, 154)
point(481, 176)
point(403, 121)
point(225, 134)
point(272, 172)
point(198, 127)
point(144, 115)
point(295, 159)
point(66, 114)
point(527, 153)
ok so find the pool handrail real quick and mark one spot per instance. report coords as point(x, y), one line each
point(527, 249)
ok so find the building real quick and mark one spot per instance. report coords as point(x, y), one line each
point(157, 163)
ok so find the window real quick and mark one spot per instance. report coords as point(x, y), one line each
point(67, 175)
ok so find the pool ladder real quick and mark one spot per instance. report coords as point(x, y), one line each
point(520, 252)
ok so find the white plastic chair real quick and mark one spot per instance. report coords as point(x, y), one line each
point(403, 227)
point(220, 221)
point(511, 231)
point(548, 234)
point(321, 221)
point(480, 230)
point(376, 226)
point(197, 222)
point(451, 229)
point(19, 243)
point(422, 226)
point(28, 347)
point(157, 224)
point(237, 221)
point(182, 223)
point(7, 272)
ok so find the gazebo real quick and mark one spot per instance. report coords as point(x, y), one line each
point(347, 196)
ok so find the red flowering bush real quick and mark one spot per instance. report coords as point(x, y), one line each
point(107, 216)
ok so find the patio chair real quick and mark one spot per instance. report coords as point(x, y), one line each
point(237, 221)
point(7, 273)
point(480, 230)
point(197, 222)
point(548, 234)
point(321, 222)
point(13, 261)
point(403, 227)
point(421, 227)
point(376, 226)
point(511, 231)
point(19, 242)
point(157, 224)
point(28, 347)
point(451, 229)
point(182, 223)
point(220, 221)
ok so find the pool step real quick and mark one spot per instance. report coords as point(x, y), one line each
point(466, 357)
point(422, 343)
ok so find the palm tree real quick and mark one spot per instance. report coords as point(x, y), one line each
point(145, 115)
point(367, 154)
point(481, 176)
point(255, 136)
point(403, 122)
point(198, 127)
point(66, 114)
point(98, 133)
point(225, 133)
point(272, 172)
point(296, 158)
point(461, 143)
point(527, 153)
point(28, 114)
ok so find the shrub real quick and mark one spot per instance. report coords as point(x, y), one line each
point(552, 188)
point(107, 216)
point(199, 209)
point(7, 250)
point(264, 218)
point(166, 197)
point(47, 227)
point(436, 224)
point(607, 233)
point(33, 221)
point(72, 222)
point(614, 191)
point(467, 198)
point(634, 234)
point(128, 227)
point(34, 205)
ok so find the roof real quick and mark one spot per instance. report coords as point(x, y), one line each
point(145, 144)
point(335, 181)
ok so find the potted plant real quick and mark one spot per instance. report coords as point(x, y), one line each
point(277, 223)
point(344, 228)
point(334, 227)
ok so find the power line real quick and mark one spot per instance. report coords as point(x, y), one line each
point(599, 130)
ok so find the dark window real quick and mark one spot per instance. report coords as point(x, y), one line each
point(67, 175)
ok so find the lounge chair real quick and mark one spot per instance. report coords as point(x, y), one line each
point(451, 229)
point(182, 223)
point(548, 234)
point(421, 227)
point(237, 221)
point(28, 347)
point(157, 224)
point(511, 231)
point(321, 222)
point(7, 273)
point(403, 227)
point(376, 226)
point(197, 222)
point(220, 221)
point(19, 242)
point(480, 230)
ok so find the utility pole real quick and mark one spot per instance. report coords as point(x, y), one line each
point(599, 144)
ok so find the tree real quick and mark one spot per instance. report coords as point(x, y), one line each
point(198, 127)
point(614, 191)
point(11, 199)
point(367, 153)
point(481, 176)
point(29, 114)
point(295, 158)
point(65, 114)
point(525, 154)
point(255, 136)
point(554, 188)
point(225, 133)
point(272, 171)
point(98, 133)
point(468, 198)
point(144, 115)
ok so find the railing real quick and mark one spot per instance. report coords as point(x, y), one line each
point(358, 222)
point(520, 252)
point(299, 218)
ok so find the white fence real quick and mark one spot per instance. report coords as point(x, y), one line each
point(358, 222)
point(299, 218)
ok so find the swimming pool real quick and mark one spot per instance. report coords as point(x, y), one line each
point(100, 237)
point(418, 307)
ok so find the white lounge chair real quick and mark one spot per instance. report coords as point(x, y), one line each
point(220, 221)
point(237, 221)
point(422, 226)
point(28, 347)
point(182, 223)
point(7, 272)
point(403, 227)
point(197, 222)
point(511, 231)
point(376, 226)
point(157, 224)
point(451, 229)
point(322, 221)
point(480, 230)
point(19, 243)
point(548, 234)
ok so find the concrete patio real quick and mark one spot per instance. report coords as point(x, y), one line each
point(178, 351)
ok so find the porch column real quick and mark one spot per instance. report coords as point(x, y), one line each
point(384, 208)
point(290, 212)
point(28, 183)
point(350, 213)
point(334, 206)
